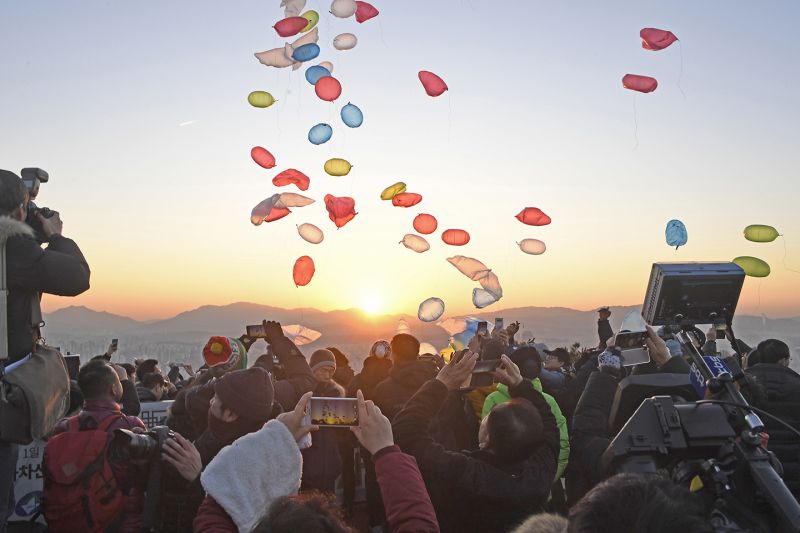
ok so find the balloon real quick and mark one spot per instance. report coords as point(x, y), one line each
point(327, 65)
point(292, 199)
point(533, 216)
point(266, 211)
point(262, 157)
point(310, 233)
point(307, 52)
point(341, 210)
point(532, 246)
point(415, 243)
point(260, 99)
point(655, 39)
point(365, 11)
point(345, 41)
point(312, 17)
point(310, 37)
point(433, 84)
point(328, 88)
point(337, 167)
point(319, 134)
point(676, 233)
point(343, 8)
point(472, 268)
point(406, 199)
point(301, 335)
point(642, 84)
point(393, 190)
point(753, 266)
point(352, 115)
point(455, 237)
point(313, 74)
point(425, 224)
point(276, 57)
point(431, 309)
point(760, 233)
point(402, 327)
point(303, 271)
point(292, 8)
point(290, 26)
point(427, 348)
point(482, 298)
point(292, 176)
point(491, 283)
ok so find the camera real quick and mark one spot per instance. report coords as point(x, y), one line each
point(127, 445)
point(33, 177)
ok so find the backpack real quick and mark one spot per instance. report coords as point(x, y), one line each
point(80, 490)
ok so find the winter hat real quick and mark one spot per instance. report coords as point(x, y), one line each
point(248, 393)
point(322, 358)
point(225, 351)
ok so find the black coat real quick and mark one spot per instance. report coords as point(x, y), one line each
point(404, 380)
point(375, 370)
point(60, 269)
point(477, 491)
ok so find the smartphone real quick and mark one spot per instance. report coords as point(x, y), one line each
point(256, 331)
point(333, 412)
point(483, 328)
point(73, 365)
point(481, 375)
point(114, 343)
point(631, 340)
point(498, 323)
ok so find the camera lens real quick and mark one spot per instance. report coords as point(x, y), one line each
point(128, 445)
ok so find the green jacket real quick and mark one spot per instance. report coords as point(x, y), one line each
point(501, 396)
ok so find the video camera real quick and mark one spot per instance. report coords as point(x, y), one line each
point(712, 445)
point(33, 177)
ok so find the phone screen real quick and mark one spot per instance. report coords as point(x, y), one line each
point(114, 342)
point(631, 340)
point(498, 323)
point(481, 375)
point(333, 412)
point(256, 331)
point(483, 328)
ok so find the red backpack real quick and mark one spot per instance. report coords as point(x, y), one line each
point(80, 490)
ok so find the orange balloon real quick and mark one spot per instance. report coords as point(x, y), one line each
point(533, 216)
point(406, 199)
point(303, 271)
point(425, 224)
point(455, 237)
point(341, 210)
point(292, 176)
point(262, 157)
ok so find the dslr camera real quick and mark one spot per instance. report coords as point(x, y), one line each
point(33, 177)
point(127, 445)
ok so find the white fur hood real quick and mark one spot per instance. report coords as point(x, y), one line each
point(11, 227)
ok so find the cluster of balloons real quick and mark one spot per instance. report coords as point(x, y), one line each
point(753, 266)
point(652, 39)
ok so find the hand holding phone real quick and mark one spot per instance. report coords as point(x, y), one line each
point(293, 420)
point(459, 370)
point(508, 372)
point(374, 430)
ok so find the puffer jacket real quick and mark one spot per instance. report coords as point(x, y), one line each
point(403, 382)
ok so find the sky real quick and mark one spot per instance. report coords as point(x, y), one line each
point(139, 113)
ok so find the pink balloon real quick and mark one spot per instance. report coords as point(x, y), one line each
point(290, 26)
point(365, 11)
point(262, 157)
point(642, 84)
point(328, 88)
point(406, 199)
point(455, 237)
point(434, 85)
point(655, 39)
point(292, 177)
point(303, 271)
point(533, 216)
point(425, 224)
point(341, 210)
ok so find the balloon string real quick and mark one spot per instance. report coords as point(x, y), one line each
point(635, 125)
point(380, 28)
point(785, 253)
point(680, 74)
point(449, 116)
point(280, 109)
point(758, 307)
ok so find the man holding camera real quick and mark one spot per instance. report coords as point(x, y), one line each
point(60, 269)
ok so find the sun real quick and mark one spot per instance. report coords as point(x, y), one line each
point(371, 304)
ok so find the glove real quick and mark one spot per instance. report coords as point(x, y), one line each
point(610, 361)
point(272, 331)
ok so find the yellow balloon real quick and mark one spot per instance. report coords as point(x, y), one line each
point(312, 17)
point(393, 190)
point(260, 99)
point(753, 266)
point(337, 167)
point(760, 233)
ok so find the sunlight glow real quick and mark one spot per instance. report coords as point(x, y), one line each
point(371, 304)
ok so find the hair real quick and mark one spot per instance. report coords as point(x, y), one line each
point(638, 502)
point(12, 192)
point(341, 358)
point(309, 512)
point(562, 354)
point(95, 378)
point(543, 523)
point(405, 347)
point(515, 430)
point(146, 367)
point(152, 379)
point(129, 368)
point(771, 351)
point(529, 362)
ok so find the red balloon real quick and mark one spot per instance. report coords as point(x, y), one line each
point(276, 214)
point(533, 216)
point(328, 88)
point(455, 237)
point(425, 224)
point(406, 199)
point(365, 11)
point(303, 271)
point(290, 26)
point(292, 176)
point(434, 85)
point(262, 157)
point(643, 84)
point(341, 210)
point(655, 39)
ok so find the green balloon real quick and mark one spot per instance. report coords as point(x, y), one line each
point(260, 99)
point(760, 233)
point(753, 266)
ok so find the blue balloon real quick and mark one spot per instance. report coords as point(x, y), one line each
point(352, 115)
point(676, 233)
point(313, 74)
point(307, 52)
point(319, 134)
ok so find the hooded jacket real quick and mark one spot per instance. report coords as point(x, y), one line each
point(501, 395)
point(404, 380)
point(30, 270)
point(375, 370)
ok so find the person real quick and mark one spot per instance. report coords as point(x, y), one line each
point(152, 387)
point(509, 477)
point(604, 331)
point(376, 368)
point(543, 523)
point(131, 370)
point(344, 372)
point(60, 269)
point(148, 366)
point(782, 387)
point(407, 375)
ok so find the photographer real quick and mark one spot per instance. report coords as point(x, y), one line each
point(60, 269)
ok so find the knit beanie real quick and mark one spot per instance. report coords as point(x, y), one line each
point(225, 351)
point(322, 358)
point(248, 393)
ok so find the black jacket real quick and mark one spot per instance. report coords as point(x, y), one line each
point(782, 386)
point(375, 370)
point(476, 491)
point(404, 380)
point(294, 377)
point(60, 269)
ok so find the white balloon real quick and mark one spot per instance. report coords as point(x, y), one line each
point(310, 233)
point(308, 38)
point(431, 309)
point(328, 65)
point(402, 327)
point(491, 284)
point(276, 57)
point(343, 8)
point(345, 41)
point(291, 199)
point(426, 347)
point(292, 8)
point(532, 246)
point(300, 335)
point(482, 298)
point(472, 268)
point(415, 243)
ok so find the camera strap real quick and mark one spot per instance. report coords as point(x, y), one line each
point(3, 303)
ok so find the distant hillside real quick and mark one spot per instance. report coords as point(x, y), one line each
point(181, 338)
